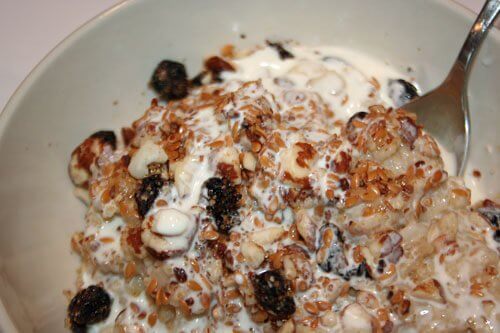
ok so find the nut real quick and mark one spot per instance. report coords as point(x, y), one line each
point(355, 319)
point(249, 161)
point(267, 236)
point(148, 153)
point(307, 229)
point(253, 253)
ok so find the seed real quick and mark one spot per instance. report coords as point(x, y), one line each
point(205, 300)
point(161, 298)
point(206, 282)
point(256, 146)
point(209, 235)
point(130, 270)
point(233, 308)
point(135, 286)
point(351, 201)
point(194, 286)
point(460, 192)
point(311, 308)
point(152, 286)
point(217, 313)
point(323, 305)
point(260, 317)
point(152, 318)
point(107, 239)
point(195, 265)
point(184, 308)
point(166, 313)
point(161, 203)
point(232, 294)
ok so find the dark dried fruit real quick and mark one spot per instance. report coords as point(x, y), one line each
point(352, 131)
point(106, 137)
point(217, 65)
point(401, 92)
point(334, 259)
point(491, 212)
point(283, 53)
point(273, 294)
point(76, 328)
point(362, 270)
point(89, 306)
point(147, 192)
point(170, 80)
point(381, 266)
point(223, 203)
point(180, 274)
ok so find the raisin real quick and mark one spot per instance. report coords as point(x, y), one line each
point(491, 212)
point(170, 80)
point(363, 270)
point(273, 294)
point(335, 260)
point(89, 306)
point(147, 193)
point(223, 203)
point(381, 266)
point(401, 92)
point(180, 274)
point(283, 53)
point(352, 131)
point(106, 137)
point(76, 328)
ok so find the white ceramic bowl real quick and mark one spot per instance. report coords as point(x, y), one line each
point(71, 94)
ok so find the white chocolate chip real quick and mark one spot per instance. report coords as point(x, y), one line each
point(170, 222)
point(148, 153)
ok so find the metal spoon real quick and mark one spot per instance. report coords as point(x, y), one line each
point(444, 111)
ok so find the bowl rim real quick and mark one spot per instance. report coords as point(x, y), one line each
point(6, 323)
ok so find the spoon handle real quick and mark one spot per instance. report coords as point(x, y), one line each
point(460, 71)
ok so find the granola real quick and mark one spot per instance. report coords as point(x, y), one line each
point(295, 199)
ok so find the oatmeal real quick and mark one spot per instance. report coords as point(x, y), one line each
point(280, 190)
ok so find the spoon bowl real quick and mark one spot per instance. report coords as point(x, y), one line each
point(444, 111)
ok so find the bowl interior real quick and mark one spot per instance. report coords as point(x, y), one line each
point(97, 79)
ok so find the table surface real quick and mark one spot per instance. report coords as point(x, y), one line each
point(29, 29)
